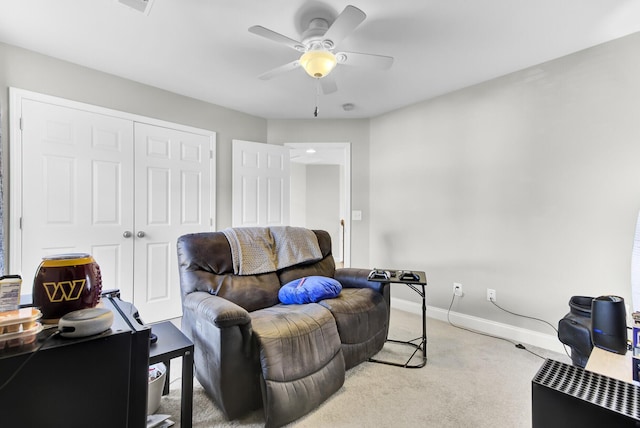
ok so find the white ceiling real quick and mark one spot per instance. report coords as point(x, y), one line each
point(202, 49)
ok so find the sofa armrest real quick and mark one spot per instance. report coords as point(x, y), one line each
point(218, 311)
point(358, 278)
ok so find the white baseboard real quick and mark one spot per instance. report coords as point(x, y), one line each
point(517, 334)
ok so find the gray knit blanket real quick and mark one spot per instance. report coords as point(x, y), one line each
point(256, 250)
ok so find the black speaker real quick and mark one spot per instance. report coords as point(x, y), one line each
point(609, 324)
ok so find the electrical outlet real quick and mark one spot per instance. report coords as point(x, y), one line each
point(491, 295)
point(457, 289)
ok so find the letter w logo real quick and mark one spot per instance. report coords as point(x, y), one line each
point(64, 290)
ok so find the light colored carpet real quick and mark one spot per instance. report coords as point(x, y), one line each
point(470, 380)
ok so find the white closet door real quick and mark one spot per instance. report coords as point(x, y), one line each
point(76, 190)
point(172, 187)
point(95, 180)
point(260, 187)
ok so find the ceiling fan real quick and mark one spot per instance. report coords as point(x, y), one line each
point(317, 47)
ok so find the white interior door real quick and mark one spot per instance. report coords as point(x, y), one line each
point(260, 185)
point(76, 190)
point(173, 197)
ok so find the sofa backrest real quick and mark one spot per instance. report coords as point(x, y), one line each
point(205, 264)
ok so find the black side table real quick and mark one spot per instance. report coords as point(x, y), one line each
point(412, 279)
point(172, 343)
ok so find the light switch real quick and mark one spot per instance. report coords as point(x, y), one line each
point(356, 215)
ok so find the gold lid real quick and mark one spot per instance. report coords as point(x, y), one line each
point(71, 259)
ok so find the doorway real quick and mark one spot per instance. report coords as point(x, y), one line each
point(321, 192)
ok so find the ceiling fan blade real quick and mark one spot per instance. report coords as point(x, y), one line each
point(280, 70)
point(344, 24)
point(364, 60)
point(277, 37)
point(328, 84)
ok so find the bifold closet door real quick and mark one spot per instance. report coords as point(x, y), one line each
point(77, 170)
point(173, 197)
point(120, 190)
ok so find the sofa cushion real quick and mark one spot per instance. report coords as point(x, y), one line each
point(250, 292)
point(362, 321)
point(210, 252)
point(300, 358)
point(325, 267)
point(309, 289)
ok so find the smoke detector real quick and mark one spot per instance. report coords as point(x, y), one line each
point(143, 6)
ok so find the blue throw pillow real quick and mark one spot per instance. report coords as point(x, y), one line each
point(309, 289)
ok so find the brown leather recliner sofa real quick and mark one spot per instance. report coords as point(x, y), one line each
point(251, 350)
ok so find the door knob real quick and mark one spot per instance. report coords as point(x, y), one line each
point(140, 234)
point(127, 234)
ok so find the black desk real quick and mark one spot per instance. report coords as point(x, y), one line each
point(420, 342)
point(172, 343)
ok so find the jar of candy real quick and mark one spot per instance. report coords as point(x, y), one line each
point(65, 283)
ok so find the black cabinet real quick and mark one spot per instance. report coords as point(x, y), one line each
point(97, 381)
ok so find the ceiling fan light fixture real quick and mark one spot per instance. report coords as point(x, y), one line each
point(318, 63)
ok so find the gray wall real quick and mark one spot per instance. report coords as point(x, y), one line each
point(298, 211)
point(355, 132)
point(316, 195)
point(323, 201)
point(528, 184)
point(31, 71)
